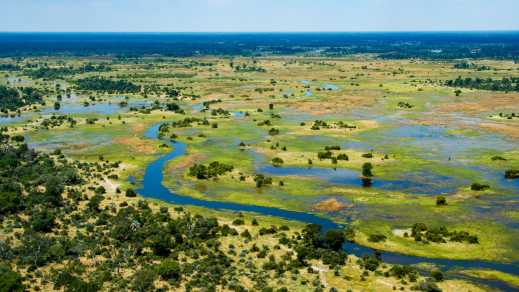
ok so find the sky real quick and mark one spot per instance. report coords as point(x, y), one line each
point(257, 15)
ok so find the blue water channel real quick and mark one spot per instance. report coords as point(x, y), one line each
point(152, 187)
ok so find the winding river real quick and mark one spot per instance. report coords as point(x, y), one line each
point(152, 187)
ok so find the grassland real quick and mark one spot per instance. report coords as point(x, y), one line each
point(425, 142)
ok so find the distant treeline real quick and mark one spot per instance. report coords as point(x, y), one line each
point(425, 45)
point(467, 65)
point(56, 73)
point(107, 85)
point(9, 67)
point(505, 84)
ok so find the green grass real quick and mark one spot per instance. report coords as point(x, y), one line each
point(373, 210)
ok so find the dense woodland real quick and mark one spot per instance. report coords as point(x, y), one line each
point(505, 84)
point(51, 217)
point(13, 98)
point(61, 72)
point(433, 45)
point(62, 230)
point(102, 84)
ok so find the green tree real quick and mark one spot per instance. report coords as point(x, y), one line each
point(143, 280)
point(42, 220)
point(169, 270)
point(334, 239)
point(277, 162)
point(441, 201)
point(10, 281)
point(367, 169)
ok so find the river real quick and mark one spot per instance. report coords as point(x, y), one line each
point(152, 187)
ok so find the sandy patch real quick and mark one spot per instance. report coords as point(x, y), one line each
point(508, 129)
point(187, 161)
point(140, 145)
point(331, 205)
point(138, 127)
point(484, 103)
point(401, 232)
point(337, 105)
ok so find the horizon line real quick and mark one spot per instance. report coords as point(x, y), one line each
point(273, 32)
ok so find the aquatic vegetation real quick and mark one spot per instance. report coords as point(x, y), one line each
point(245, 141)
point(479, 187)
point(512, 174)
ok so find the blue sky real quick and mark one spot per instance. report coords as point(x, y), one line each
point(258, 15)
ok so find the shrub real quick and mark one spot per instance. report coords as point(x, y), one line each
point(428, 287)
point(42, 221)
point(498, 158)
point(143, 280)
point(367, 155)
point(512, 174)
point(343, 156)
point(367, 169)
point(334, 239)
point(214, 169)
point(377, 238)
point(327, 148)
point(437, 275)
point(324, 155)
point(262, 180)
point(479, 187)
point(441, 201)
point(402, 271)
point(238, 222)
point(130, 193)
point(169, 270)
point(277, 162)
point(9, 280)
point(273, 132)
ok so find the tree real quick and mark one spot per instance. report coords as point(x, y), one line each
point(42, 220)
point(161, 243)
point(441, 201)
point(479, 187)
point(10, 281)
point(437, 275)
point(95, 201)
point(143, 280)
point(367, 169)
point(53, 189)
point(334, 239)
point(277, 162)
point(169, 270)
point(273, 132)
point(130, 193)
point(10, 201)
point(377, 238)
point(512, 174)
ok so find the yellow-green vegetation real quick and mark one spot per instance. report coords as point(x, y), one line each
point(492, 241)
point(70, 232)
point(494, 275)
point(296, 133)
